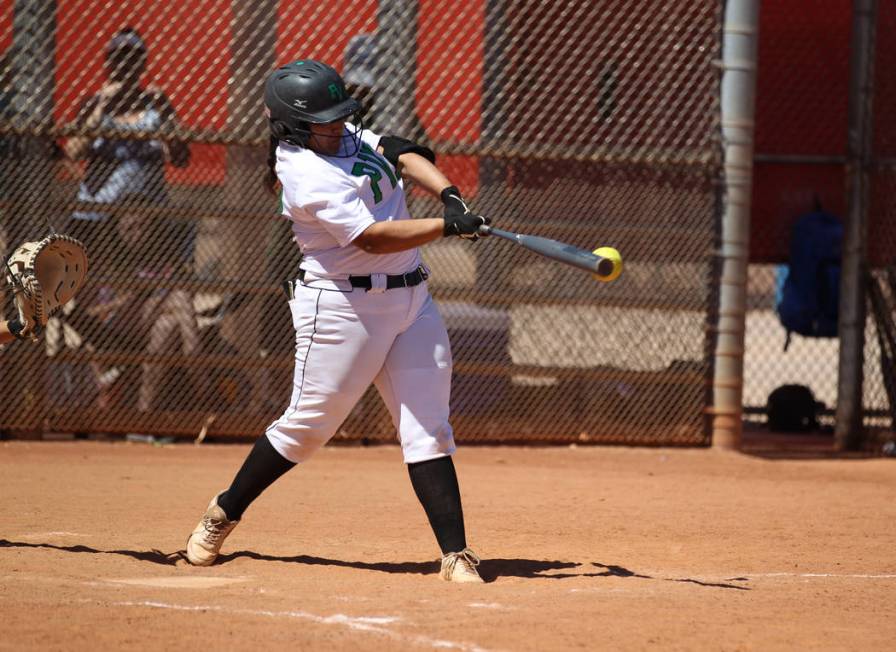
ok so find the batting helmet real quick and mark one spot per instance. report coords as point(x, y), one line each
point(307, 92)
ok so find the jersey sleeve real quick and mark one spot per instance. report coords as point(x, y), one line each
point(371, 138)
point(336, 203)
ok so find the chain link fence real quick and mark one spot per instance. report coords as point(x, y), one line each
point(592, 123)
point(880, 386)
point(801, 166)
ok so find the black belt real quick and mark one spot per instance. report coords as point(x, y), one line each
point(408, 280)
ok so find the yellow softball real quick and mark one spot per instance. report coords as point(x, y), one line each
point(610, 254)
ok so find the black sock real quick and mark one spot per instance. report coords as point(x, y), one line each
point(435, 483)
point(261, 468)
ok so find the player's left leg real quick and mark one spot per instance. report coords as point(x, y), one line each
point(415, 384)
point(343, 335)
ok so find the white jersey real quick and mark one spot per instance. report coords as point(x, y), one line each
point(332, 200)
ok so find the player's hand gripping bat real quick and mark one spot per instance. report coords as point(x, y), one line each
point(604, 263)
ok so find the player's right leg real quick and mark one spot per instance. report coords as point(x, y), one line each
point(342, 339)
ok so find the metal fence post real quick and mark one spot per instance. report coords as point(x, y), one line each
point(33, 57)
point(396, 67)
point(848, 429)
point(32, 179)
point(252, 51)
point(738, 90)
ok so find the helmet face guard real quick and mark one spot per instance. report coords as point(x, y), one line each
point(349, 139)
point(308, 92)
point(300, 134)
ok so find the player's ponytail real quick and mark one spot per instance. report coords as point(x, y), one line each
point(270, 179)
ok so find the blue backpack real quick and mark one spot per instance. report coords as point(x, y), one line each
point(810, 298)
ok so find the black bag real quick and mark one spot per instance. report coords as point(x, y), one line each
point(792, 408)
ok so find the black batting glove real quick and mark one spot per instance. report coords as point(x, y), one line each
point(460, 220)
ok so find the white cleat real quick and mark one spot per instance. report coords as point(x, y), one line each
point(206, 540)
point(460, 567)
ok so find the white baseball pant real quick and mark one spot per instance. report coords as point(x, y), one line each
point(348, 338)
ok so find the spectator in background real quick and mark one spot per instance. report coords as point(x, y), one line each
point(359, 75)
point(136, 250)
point(125, 170)
point(362, 74)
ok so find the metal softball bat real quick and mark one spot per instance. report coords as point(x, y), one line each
point(604, 263)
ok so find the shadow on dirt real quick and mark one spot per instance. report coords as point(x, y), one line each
point(494, 568)
point(408, 567)
point(490, 569)
point(152, 556)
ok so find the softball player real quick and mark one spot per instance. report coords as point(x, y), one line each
point(360, 307)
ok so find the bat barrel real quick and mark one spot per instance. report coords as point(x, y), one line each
point(602, 267)
point(605, 266)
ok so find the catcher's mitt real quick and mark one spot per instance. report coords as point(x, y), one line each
point(45, 275)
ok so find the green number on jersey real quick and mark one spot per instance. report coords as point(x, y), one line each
point(373, 166)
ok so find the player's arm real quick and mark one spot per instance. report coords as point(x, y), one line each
point(414, 162)
point(417, 163)
point(390, 237)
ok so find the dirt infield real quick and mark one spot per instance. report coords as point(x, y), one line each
point(594, 548)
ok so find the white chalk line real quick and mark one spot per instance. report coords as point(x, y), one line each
point(179, 582)
point(738, 579)
point(372, 624)
point(40, 535)
point(733, 577)
point(863, 576)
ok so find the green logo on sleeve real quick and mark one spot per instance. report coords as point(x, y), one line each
point(375, 167)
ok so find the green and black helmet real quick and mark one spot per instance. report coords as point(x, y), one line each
point(308, 92)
